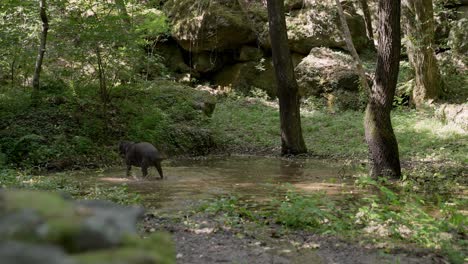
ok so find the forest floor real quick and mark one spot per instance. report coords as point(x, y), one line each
point(203, 239)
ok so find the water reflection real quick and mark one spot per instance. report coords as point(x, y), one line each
point(188, 181)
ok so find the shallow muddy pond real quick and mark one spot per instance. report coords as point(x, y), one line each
point(188, 181)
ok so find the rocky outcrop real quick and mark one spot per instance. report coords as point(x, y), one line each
point(39, 227)
point(208, 25)
point(314, 24)
point(245, 76)
point(172, 58)
point(227, 42)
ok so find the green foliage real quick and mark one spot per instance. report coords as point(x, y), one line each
point(312, 212)
point(118, 194)
point(73, 130)
point(152, 23)
point(233, 210)
point(405, 85)
point(385, 214)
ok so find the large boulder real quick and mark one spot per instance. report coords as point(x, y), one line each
point(330, 74)
point(316, 24)
point(208, 25)
point(325, 70)
point(245, 76)
point(13, 252)
point(39, 227)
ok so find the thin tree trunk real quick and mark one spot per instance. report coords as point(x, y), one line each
point(381, 140)
point(42, 46)
point(349, 42)
point(292, 142)
point(102, 78)
point(418, 21)
point(12, 71)
point(367, 20)
point(103, 92)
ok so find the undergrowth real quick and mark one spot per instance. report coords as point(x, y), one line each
point(70, 128)
point(386, 214)
point(66, 185)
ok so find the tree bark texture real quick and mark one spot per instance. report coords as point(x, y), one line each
point(292, 142)
point(349, 42)
point(383, 147)
point(418, 24)
point(42, 45)
point(367, 20)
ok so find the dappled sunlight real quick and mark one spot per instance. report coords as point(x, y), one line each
point(328, 188)
point(438, 129)
point(116, 180)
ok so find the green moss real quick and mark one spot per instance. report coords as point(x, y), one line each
point(157, 248)
point(48, 205)
point(61, 221)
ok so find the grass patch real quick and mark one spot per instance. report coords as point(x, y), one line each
point(249, 123)
point(61, 183)
point(387, 214)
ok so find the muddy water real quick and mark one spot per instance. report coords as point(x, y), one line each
point(188, 181)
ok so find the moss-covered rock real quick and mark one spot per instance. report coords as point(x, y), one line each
point(40, 227)
point(315, 25)
point(155, 249)
point(206, 62)
point(249, 53)
point(15, 252)
point(243, 77)
point(325, 70)
point(204, 25)
point(51, 218)
point(75, 226)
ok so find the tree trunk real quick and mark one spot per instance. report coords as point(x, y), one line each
point(367, 20)
point(418, 21)
point(42, 46)
point(292, 142)
point(103, 92)
point(383, 147)
point(349, 42)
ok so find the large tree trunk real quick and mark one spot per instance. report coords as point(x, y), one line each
point(418, 21)
point(381, 140)
point(42, 46)
point(292, 142)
